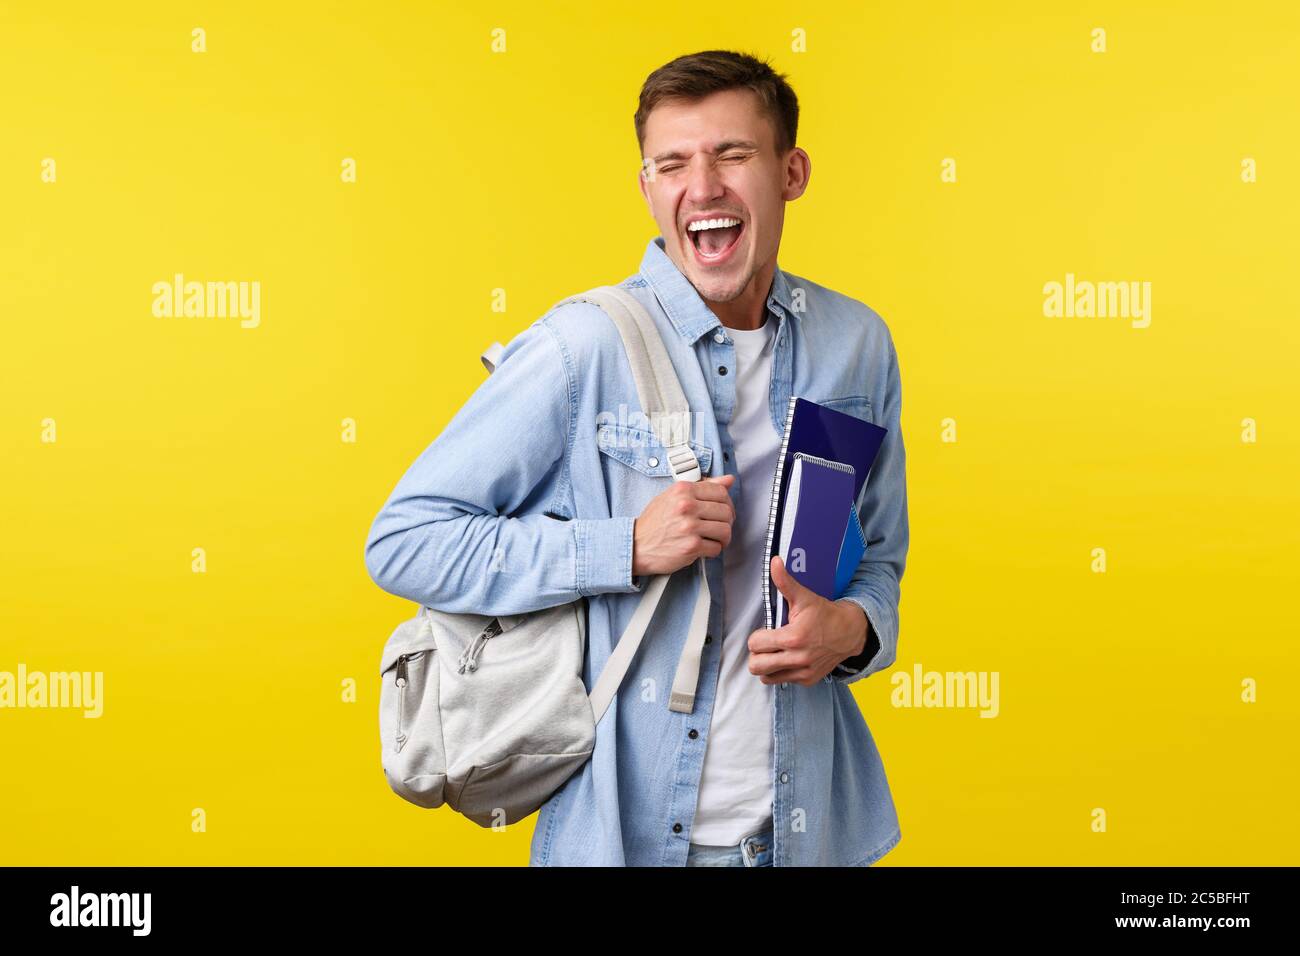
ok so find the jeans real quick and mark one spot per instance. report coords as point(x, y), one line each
point(753, 850)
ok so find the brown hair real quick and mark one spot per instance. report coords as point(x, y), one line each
point(696, 75)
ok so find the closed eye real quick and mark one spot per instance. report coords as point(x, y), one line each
point(728, 157)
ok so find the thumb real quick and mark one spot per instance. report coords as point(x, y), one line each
point(794, 593)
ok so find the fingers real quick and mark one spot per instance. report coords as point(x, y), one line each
point(715, 511)
point(709, 490)
point(777, 566)
point(774, 662)
point(713, 501)
point(790, 588)
point(715, 531)
point(773, 659)
point(765, 640)
point(688, 520)
point(803, 676)
point(781, 578)
point(708, 548)
point(710, 501)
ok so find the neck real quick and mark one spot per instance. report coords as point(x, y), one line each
point(745, 311)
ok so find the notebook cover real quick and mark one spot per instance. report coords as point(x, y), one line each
point(851, 552)
point(823, 433)
point(820, 500)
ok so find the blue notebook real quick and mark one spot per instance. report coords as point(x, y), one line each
point(815, 431)
point(815, 527)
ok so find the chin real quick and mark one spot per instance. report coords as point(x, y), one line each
point(715, 290)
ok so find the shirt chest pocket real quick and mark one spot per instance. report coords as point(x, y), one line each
point(636, 465)
point(859, 406)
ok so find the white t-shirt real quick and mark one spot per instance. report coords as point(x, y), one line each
point(735, 798)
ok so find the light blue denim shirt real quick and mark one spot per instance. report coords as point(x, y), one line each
point(543, 471)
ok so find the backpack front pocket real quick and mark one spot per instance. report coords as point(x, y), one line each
point(410, 726)
point(402, 680)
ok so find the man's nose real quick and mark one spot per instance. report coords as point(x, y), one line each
point(705, 184)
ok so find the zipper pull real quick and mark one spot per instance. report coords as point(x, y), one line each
point(469, 659)
point(399, 738)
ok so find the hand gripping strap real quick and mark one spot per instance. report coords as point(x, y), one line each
point(664, 403)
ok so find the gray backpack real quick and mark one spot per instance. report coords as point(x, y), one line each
point(489, 715)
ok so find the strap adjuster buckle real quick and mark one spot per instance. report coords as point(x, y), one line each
point(683, 463)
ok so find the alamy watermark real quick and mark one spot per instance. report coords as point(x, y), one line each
point(922, 688)
point(77, 689)
point(179, 298)
point(632, 428)
point(75, 908)
point(1101, 300)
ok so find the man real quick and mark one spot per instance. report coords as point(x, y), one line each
point(545, 488)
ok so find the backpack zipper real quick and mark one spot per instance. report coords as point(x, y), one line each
point(401, 701)
point(469, 658)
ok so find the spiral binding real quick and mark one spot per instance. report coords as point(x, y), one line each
point(837, 465)
point(771, 513)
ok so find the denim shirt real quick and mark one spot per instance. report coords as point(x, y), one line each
point(527, 499)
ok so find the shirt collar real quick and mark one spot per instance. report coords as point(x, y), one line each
point(686, 310)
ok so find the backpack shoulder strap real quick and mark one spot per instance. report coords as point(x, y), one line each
point(658, 388)
point(664, 404)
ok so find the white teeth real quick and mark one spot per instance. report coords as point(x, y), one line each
point(712, 224)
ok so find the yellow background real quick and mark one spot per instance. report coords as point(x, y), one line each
point(517, 170)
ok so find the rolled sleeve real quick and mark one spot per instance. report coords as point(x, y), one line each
point(455, 534)
point(605, 555)
point(875, 585)
point(859, 664)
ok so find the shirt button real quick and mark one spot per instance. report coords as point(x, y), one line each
point(726, 456)
point(693, 734)
point(677, 828)
point(719, 337)
point(785, 778)
point(722, 370)
point(708, 638)
point(653, 462)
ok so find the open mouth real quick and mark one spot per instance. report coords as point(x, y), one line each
point(714, 239)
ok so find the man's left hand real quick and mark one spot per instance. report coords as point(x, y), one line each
point(821, 633)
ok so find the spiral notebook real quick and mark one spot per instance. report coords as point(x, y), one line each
point(816, 431)
point(816, 528)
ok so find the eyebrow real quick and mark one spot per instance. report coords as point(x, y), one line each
point(720, 148)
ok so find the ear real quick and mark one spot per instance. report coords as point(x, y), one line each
point(798, 170)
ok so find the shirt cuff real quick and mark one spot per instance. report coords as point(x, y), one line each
point(605, 555)
point(852, 666)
